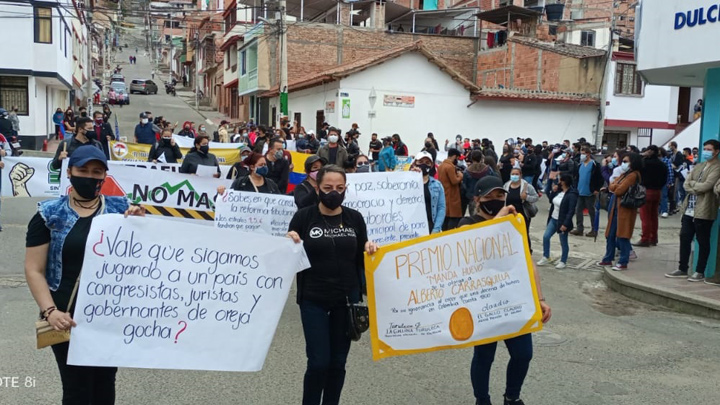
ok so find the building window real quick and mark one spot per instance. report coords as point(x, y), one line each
point(14, 92)
point(587, 38)
point(43, 25)
point(627, 80)
point(243, 63)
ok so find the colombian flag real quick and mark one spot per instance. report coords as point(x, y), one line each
point(297, 175)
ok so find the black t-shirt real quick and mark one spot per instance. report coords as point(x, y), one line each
point(513, 198)
point(72, 254)
point(471, 220)
point(333, 155)
point(334, 246)
point(376, 144)
point(428, 205)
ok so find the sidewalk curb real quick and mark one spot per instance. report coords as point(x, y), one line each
point(654, 295)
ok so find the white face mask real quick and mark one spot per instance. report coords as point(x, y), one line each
point(625, 166)
point(144, 121)
point(333, 138)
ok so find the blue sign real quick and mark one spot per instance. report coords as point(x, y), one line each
point(699, 16)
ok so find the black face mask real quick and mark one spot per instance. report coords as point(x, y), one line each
point(492, 207)
point(166, 142)
point(205, 149)
point(425, 169)
point(332, 200)
point(86, 187)
point(83, 114)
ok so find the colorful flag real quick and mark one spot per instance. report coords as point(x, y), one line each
point(297, 175)
point(117, 128)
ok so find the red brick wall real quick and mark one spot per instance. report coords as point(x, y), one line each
point(498, 68)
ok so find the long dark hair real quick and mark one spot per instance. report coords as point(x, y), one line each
point(636, 162)
point(330, 169)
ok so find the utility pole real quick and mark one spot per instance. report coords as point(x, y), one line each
point(88, 63)
point(283, 62)
point(195, 57)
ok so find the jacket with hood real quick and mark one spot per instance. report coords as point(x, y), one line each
point(472, 174)
point(172, 153)
point(195, 158)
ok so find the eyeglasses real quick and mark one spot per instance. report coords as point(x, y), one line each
point(363, 164)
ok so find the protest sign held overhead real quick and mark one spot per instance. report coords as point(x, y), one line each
point(254, 212)
point(138, 152)
point(469, 286)
point(29, 177)
point(152, 300)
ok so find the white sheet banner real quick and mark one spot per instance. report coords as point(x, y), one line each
point(469, 286)
point(29, 177)
point(393, 204)
point(185, 142)
point(151, 299)
point(269, 214)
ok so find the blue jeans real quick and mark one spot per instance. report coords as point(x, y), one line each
point(552, 228)
point(680, 190)
point(521, 352)
point(612, 242)
point(664, 199)
point(327, 348)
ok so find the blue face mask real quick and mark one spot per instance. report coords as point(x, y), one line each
point(262, 171)
point(625, 166)
point(707, 155)
point(613, 162)
point(514, 178)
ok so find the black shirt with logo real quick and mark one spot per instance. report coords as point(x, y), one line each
point(376, 144)
point(334, 246)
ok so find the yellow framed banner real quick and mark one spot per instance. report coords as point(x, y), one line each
point(466, 287)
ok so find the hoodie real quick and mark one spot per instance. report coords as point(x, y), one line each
point(472, 174)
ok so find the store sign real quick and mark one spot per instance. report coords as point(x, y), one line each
point(390, 100)
point(698, 16)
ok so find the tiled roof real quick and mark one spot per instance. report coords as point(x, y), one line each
point(574, 51)
point(347, 69)
point(536, 96)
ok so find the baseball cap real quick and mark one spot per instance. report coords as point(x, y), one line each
point(310, 132)
point(311, 160)
point(85, 154)
point(245, 149)
point(488, 184)
point(143, 115)
point(423, 155)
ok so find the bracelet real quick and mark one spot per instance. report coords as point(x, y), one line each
point(44, 314)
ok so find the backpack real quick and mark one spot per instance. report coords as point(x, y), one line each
point(216, 136)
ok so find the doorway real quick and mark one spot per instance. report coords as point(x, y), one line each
point(683, 112)
point(273, 119)
point(297, 117)
point(319, 120)
point(615, 140)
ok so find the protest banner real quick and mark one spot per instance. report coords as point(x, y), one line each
point(161, 192)
point(29, 177)
point(152, 299)
point(466, 287)
point(138, 152)
point(392, 203)
point(186, 142)
point(269, 214)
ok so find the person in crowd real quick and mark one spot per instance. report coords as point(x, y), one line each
point(5, 150)
point(433, 190)
point(457, 145)
point(301, 143)
point(107, 113)
point(563, 197)
point(112, 96)
point(278, 166)
point(69, 122)
point(14, 120)
point(223, 132)
point(451, 177)
point(399, 146)
point(430, 148)
point(387, 161)
point(375, 147)
point(608, 164)
point(506, 163)
point(681, 164)
point(589, 183)
point(490, 203)
point(165, 150)
point(313, 145)
point(552, 172)
point(69, 145)
point(474, 172)
point(102, 132)
point(333, 152)
point(362, 164)
point(432, 139)
point(55, 250)
point(697, 109)
point(144, 132)
point(530, 165)
point(668, 188)
point(200, 155)
point(257, 181)
point(239, 169)
point(695, 157)
point(699, 212)
point(333, 280)
point(351, 144)
point(305, 193)
point(349, 166)
point(519, 193)
point(262, 139)
point(566, 163)
point(186, 131)
point(621, 220)
point(323, 131)
point(202, 131)
point(492, 164)
point(58, 121)
point(654, 178)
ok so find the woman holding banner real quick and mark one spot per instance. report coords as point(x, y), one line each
point(490, 202)
point(56, 240)
point(256, 181)
point(334, 238)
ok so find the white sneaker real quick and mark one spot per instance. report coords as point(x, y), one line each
point(560, 265)
point(633, 255)
point(544, 261)
point(664, 215)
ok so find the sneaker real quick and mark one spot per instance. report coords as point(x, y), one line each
point(544, 261)
point(603, 264)
point(591, 234)
point(619, 267)
point(633, 255)
point(642, 243)
point(560, 265)
point(677, 274)
point(714, 280)
point(513, 401)
point(664, 215)
point(576, 232)
point(696, 277)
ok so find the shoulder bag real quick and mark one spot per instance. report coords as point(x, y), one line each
point(530, 208)
point(635, 196)
point(46, 334)
point(358, 320)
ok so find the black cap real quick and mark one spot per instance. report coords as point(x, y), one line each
point(86, 153)
point(311, 160)
point(453, 152)
point(143, 115)
point(488, 184)
point(582, 140)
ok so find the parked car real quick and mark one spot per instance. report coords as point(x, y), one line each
point(121, 94)
point(117, 78)
point(144, 86)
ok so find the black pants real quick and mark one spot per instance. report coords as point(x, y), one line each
point(84, 385)
point(450, 223)
point(699, 229)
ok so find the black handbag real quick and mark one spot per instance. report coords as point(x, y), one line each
point(358, 320)
point(635, 196)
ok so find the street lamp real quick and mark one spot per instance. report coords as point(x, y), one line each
point(372, 98)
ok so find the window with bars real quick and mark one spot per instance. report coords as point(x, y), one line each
point(627, 80)
point(587, 38)
point(14, 92)
point(43, 25)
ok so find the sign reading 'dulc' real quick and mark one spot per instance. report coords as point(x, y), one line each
point(699, 16)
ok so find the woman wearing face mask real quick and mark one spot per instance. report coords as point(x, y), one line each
point(334, 238)
point(55, 249)
point(305, 193)
point(387, 159)
point(506, 163)
point(430, 148)
point(520, 191)
point(187, 130)
point(560, 219)
point(58, 121)
point(256, 181)
point(621, 221)
point(362, 164)
point(166, 150)
point(107, 112)
point(434, 192)
point(200, 156)
point(490, 203)
point(69, 121)
point(238, 169)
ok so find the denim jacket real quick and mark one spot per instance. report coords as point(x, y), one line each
point(437, 204)
point(60, 219)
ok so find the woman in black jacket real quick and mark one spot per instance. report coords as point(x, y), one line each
point(305, 193)
point(334, 238)
point(256, 180)
point(564, 199)
point(166, 150)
